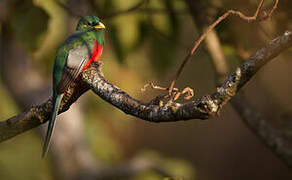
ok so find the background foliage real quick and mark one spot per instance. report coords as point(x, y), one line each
point(142, 45)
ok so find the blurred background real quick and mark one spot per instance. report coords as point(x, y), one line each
point(145, 42)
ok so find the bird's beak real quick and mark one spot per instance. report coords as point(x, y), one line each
point(100, 26)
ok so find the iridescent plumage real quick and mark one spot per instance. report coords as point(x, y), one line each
point(75, 54)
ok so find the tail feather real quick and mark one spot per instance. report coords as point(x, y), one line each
point(56, 104)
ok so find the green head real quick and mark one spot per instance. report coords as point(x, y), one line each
point(88, 23)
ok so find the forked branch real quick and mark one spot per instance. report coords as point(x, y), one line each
point(202, 108)
point(255, 17)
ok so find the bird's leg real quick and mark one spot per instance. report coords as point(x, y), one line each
point(100, 63)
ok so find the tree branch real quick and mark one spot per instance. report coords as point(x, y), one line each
point(255, 17)
point(201, 108)
point(39, 114)
point(269, 135)
point(272, 137)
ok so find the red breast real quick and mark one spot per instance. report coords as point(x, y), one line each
point(95, 55)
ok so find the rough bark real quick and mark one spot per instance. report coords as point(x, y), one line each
point(202, 108)
point(272, 137)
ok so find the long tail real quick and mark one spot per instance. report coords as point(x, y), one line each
point(56, 104)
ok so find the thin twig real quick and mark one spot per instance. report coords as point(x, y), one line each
point(255, 17)
point(273, 138)
point(201, 108)
point(187, 91)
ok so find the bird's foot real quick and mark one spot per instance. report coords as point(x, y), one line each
point(171, 96)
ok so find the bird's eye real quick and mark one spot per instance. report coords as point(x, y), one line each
point(89, 23)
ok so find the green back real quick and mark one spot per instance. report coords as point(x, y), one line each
point(78, 38)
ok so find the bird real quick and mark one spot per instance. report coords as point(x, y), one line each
point(76, 54)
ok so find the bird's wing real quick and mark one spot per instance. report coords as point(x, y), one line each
point(76, 59)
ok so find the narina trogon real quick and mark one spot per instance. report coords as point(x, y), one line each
point(82, 48)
